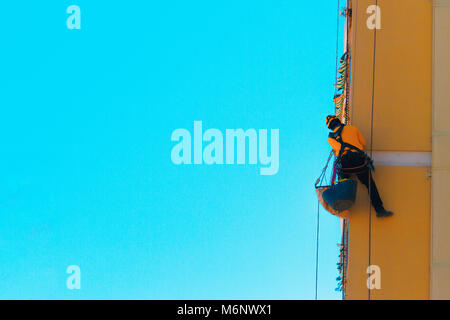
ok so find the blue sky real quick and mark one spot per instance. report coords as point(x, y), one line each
point(86, 174)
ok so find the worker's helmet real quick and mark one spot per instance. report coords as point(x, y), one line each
point(332, 121)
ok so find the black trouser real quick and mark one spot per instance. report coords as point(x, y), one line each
point(354, 163)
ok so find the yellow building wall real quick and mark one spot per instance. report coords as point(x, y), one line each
point(440, 256)
point(400, 245)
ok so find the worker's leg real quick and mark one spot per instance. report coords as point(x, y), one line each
point(375, 199)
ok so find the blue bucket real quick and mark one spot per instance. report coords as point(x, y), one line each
point(341, 196)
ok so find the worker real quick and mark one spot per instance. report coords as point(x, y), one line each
point(347, 143)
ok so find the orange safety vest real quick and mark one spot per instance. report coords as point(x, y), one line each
point(349, 134)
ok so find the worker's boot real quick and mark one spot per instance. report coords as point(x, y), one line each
point(384, 213)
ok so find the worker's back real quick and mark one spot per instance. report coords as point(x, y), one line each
point(350, 134)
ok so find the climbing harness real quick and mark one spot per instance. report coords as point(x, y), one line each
point(347, 147)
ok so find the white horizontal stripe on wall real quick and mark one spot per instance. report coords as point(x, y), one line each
point(402, 159)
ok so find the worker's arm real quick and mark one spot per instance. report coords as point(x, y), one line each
point(361, 138)
point(335, 145)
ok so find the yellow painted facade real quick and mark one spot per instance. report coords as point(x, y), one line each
point(411, 247)
point(440, 212)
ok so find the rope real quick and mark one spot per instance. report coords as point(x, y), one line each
point(344, 256)
point(317, 248)
point(337, 47)
point(371, 134)
point(354, 46)
point(347, 95)
point(319, 180)
point(351, 57)
point(322, 175)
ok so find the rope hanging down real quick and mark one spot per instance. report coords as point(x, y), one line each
point(319, 182)
point(317, 248)
point(322, 175)
point(371, 134)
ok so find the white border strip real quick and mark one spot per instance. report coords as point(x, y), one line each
point(402, 159)
point(441, 3)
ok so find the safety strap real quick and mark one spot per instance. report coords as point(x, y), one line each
point(338, 137)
